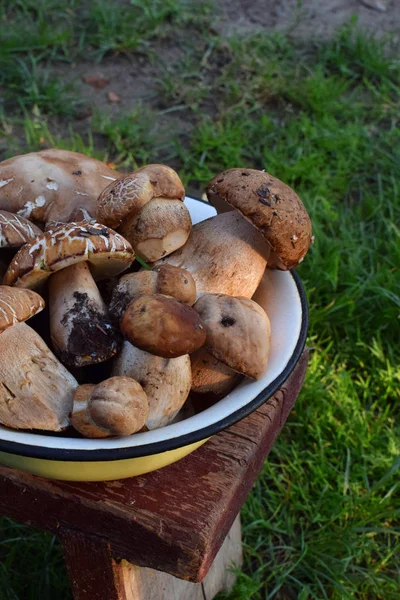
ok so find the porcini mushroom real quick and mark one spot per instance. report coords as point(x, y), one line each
point(165, 279)
point(147, 208)
point(116, 406)
point(74, 255)
point(166, 381)
point(36, 390)
point(53, 185)
point(162, 326)
point(238, 332)
point(271, 206)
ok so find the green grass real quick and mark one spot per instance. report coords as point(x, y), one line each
point(323, 518)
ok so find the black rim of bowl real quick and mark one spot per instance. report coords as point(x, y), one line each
point(112, 454)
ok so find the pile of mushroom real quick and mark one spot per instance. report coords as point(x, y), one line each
point(182, 326)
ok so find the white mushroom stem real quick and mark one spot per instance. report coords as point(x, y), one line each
point(36, 390)
point(166, 381)
point(159, 228)
point(79, 325)
point(225, 254)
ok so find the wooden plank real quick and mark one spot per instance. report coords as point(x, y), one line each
point(174, 519)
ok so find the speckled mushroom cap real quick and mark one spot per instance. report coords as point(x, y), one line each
point(106, 252)
point(271, 206)
point(128, 195)
point(16, 231)
point(17, 306)
point(53, 185)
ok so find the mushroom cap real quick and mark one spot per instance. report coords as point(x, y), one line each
point(176, 282)
point(53, 185)
point(163, 326)
point(106, 251)
point(238, 332)
point(16, 231)
point(159, 228)
point(119, 405)
point(128, 195)
point(17, 306)
point(80, 418)
point(271, 206)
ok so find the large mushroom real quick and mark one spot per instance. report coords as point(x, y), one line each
point(166, 381)
point(36, 390)
point(147, 208)
point(228, 253)
point(53, 185)
point(238, 332)
point(74, 255)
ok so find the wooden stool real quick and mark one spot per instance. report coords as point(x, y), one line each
point(170, 524)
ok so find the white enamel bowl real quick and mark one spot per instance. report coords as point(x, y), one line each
point(282, 296)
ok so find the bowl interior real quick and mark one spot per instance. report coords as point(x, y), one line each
point(279, 295)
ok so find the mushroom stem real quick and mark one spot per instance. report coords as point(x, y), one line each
point(80, 328)
point(36, 390)
point(224, 254)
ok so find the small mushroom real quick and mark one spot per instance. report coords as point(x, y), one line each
point(147, 209)
point(224, 254)
point(80, 418)
point(211, 376)
point(166, 381)
point(16, 231)
point(166, 280)
point(238, 332)
point(80, 328)
point(36, 390)
point(163, 326)
point(271, 206)
point(53, 185)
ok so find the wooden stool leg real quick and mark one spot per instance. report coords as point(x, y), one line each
point(95, 575)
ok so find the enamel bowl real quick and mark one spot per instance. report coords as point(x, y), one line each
point(282, 296)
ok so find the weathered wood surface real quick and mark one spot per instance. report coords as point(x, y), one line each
point(95, 575)
point(174, 519)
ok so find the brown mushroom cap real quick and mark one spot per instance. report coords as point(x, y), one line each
point(53, 185)
point(238, 332)
point(119, 405)
point(16, 231)
point(271, 206)
point(128, 195)
point(176, 282)
point(80, 418)
point(162, 326)
point(17, 306)
point(107, 253)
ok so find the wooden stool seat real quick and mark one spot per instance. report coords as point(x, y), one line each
point(173, 520)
